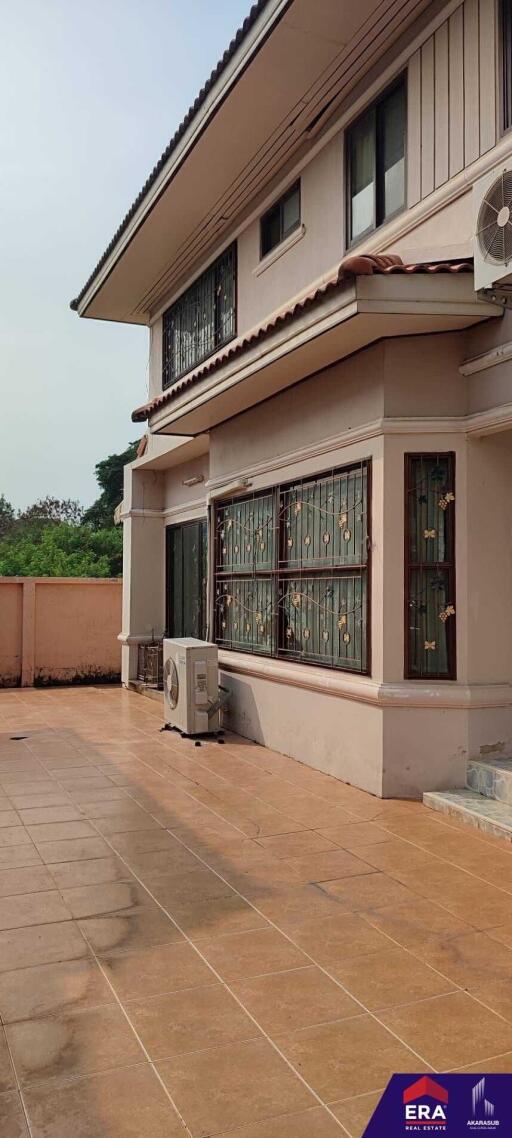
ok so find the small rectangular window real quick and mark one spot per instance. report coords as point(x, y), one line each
point(430, 566)
point(280, 220)
point(506, 62)
point(375, 150)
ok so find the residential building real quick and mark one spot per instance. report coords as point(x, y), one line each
point(325, 484)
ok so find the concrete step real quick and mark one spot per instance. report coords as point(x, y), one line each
point(491, 777)
point(474, 809)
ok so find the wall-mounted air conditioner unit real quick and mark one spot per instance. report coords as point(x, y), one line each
point(191, 686)
point(492, 242)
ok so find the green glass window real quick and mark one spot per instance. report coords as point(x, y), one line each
point(430, 566)
point(292, 571)
point(186, 575)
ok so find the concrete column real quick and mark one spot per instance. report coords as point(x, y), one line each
point(143, 565)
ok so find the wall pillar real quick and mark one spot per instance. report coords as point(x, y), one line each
point(28, 633)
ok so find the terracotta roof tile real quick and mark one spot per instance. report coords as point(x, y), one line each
point(355, 266)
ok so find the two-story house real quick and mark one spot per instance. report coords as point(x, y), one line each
point(325, 488)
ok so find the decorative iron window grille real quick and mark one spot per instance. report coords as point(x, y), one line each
point(202, 320)
point(506, 62)
point(186, 575)
point(430, 566)
point(282, 219)
point(292, 570)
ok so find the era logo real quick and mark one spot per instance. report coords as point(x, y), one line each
point(425, 1113)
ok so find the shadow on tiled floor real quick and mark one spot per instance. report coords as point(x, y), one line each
point(221, 940)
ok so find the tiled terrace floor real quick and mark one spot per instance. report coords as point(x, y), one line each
point(219, 940)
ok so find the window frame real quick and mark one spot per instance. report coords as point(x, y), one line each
point(170, 531)
point(373, 108)
point(230, 251)
point(505, 66)
point(280, 572)
point(280, 203)
point(449, 565)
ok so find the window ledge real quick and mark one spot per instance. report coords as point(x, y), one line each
point(347, 685)
point(283, 247)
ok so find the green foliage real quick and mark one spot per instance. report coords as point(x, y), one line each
point(62, 550)
point(109, 475)
point(53, 510)
point(7, 515)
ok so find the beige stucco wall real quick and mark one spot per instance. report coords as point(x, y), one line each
point(59, 630)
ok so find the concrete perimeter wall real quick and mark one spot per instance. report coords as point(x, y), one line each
point(59, 630)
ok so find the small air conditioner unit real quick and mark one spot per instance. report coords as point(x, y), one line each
point(492, 242)
point(191, 686)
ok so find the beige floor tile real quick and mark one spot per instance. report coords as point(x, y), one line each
point(96, 871)
point(191, 1020)
point(390, 978)
point(354, 834)
point(337, 938)
point(41, 944)
point(126, 824)
point(368, 892)
point(328, 866)
point(251, 954)
point(18, 856)
point(51, 988)
point(147, 926)
point(313, 1123)
point(501, 933)
point(156, 970)
point(450, 1031)
point(296, 844)
point(50, 798)
point(355, 1113)
point(110, 897)
point(142, 841)
point(200, 884)
point(501, 1064)
point(205, 920)
point(230, 1086)
point(127, 1103)
point(8, 818)
point(7, 1078)
point(72, 1043)
point(32, 909)
point(469, 960)
point(416, 922)
point(43, 815)
point(347, 1058)
point(61, 831)
point(28, 879)
point(74, 849)
point(14, 836)
point(287, 1001)
point(13, 1123)
point(289, 906)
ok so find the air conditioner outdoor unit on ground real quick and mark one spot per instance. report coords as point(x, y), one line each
point(191, 686)
point(492, 242)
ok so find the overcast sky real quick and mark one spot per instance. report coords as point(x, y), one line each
point(90, 93)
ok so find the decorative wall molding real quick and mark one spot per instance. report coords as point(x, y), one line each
point(488, 359)
point(449, 695)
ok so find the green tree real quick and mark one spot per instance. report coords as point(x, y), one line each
point(7, 515)
point(62, 550)
point(109, 475)
point(47, 510)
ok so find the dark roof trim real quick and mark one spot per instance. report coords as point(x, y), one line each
point(357, 266)
point(221, 66)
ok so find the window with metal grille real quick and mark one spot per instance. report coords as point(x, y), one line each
point(506, 62)
point(280, 220)
point(430, 566)
point(202, 320)
point(292, 571)
point(375, 155)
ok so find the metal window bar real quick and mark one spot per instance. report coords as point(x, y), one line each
point(292, 571)
point(200, 321)
point(430, 599)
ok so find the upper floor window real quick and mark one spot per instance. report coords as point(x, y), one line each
point(280, 220)
point(202, 320)
point(506, 62)
point(376, 163)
